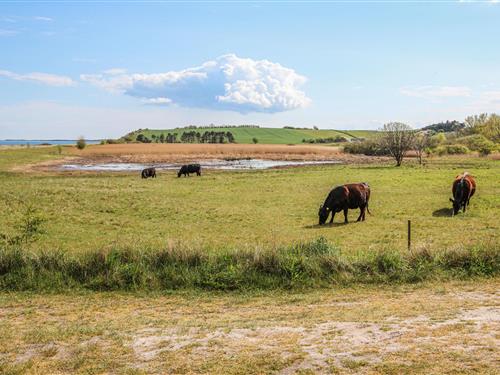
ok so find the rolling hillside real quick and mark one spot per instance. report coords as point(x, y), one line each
point(263, 135)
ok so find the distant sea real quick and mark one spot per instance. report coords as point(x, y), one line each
point(34, 142)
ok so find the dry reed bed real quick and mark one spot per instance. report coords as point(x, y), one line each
point(151, 153)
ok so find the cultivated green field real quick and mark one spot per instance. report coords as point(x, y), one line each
point(248, 209)
point(267, 135)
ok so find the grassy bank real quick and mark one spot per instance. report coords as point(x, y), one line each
point(312, 264)
point(264, 135)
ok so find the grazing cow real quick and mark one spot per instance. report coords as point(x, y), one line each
point(463, 189)
point(148, 172)
point(344, 197)
point(189, 168)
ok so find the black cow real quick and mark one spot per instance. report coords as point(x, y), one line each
point(344, 197)
point(189, 168)
point(148, 172)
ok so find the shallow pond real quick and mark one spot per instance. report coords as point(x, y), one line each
point(240, 164)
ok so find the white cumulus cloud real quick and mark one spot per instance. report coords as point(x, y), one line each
point(226, 83)
point(43, 78)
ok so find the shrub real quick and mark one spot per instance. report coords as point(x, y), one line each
point(456, 149)
point(255, 140)
point(80, 143)
point(28, 230)
point(368, 147)
point(478, 142)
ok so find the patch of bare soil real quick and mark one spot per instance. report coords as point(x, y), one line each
point(49, 165)
point(326, 344)
point(58, 351)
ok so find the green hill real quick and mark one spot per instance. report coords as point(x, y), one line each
point(263, 135)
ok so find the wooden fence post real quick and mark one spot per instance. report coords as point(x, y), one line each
point(409, 235)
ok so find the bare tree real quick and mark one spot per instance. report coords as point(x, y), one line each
point(397, 138)
point(421, 142)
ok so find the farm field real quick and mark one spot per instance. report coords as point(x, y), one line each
point(434, 328)
point(266, 135)
point(248, 209)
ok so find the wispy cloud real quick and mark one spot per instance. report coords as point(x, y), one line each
point(433, 92)
point(226, 83)
point(42, 18)
point(115, 71)
point(42, 78)
point(480, 1)
point(4, 32)
point(492, 97)
point(157, 101)
point(8, 19)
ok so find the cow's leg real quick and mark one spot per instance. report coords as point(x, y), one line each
point(345, 215)
point(333, 215)
point(360, 214)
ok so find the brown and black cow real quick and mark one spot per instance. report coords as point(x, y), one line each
point(463, 189)
point(344, 197)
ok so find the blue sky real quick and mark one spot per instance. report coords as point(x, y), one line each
point(102, 69)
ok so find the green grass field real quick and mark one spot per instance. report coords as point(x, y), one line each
point(248, 209)
point(347, 304)
point(268, 135)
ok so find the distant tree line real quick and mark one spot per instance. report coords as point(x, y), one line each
point(336, 139)
point(445, 127)
point(479, 133)
point(212, 126)
point(189, 137)
point(296, 128)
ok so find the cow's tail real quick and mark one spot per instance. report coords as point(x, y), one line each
point(367, 209)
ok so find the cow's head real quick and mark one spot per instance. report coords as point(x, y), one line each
point(323, 214)
point(456, 205)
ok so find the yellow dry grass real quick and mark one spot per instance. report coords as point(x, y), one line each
point(157, 152)
point(430, 328)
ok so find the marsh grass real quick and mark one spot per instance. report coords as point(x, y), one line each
point(302, 265)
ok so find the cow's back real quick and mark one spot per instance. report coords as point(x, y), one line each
point(359, 194)
point(469, 186)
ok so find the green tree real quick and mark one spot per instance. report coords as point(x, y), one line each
point(255, 140)
point(80, 143)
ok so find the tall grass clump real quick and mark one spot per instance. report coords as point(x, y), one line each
point(302, 265)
